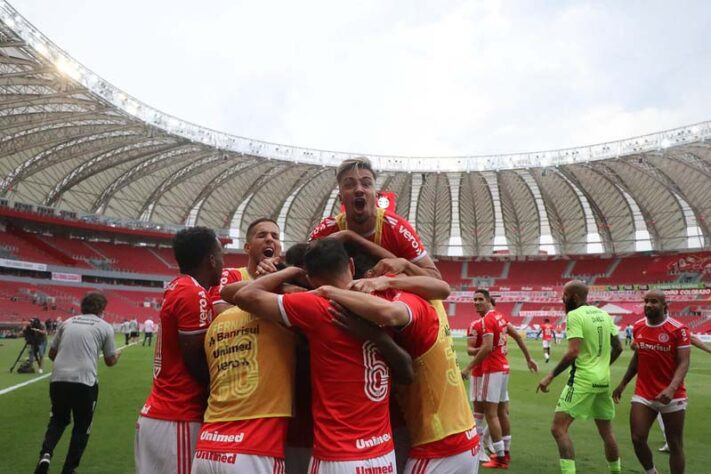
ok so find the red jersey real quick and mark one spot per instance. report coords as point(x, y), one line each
point(496, 324)
point(396, 235)
point(476, 331)
point(417, 337)
point(350, 383)
point(260, 437)
point(546, 331)
point(176, 395)
point(229, 275)
point(656, 356)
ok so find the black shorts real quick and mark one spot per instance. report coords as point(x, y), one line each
point(134, 333)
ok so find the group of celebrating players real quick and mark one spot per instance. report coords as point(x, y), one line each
point(289, 364)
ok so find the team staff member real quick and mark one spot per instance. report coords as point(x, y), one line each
point(263, 249)
point(593, 345)
point(169, 422)
point(376, 231)
point(435, 405)
point(251, 362)
point(74, 387)
point(350, 379)
point(660, 361)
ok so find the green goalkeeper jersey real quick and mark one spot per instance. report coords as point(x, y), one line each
point(591, 370)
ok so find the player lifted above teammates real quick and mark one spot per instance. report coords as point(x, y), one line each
point(593, 345)
point(378, 232)
point(491, 389)
point(263, 247)
point(547, 333)
point(351, 382)
point(167, 428)
point(435, 407)
point(660, 361)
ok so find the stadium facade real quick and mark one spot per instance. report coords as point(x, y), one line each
point(71, 141)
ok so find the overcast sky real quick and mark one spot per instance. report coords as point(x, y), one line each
point(407, 77)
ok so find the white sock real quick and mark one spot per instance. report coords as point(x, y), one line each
point(480, 423)
point(651, 471)
point(499, 448)
point(545, 354)
point(507, 442)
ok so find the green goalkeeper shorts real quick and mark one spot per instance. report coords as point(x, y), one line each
point(585, 405)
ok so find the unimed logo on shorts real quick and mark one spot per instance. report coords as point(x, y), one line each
point(375, 469)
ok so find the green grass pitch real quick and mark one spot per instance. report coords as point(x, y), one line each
point(122, 390)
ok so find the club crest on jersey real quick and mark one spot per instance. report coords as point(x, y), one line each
point(664, 337)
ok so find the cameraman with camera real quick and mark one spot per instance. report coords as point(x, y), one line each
point(35, 335)
point(73, 388)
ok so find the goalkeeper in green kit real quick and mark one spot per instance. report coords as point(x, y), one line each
point(593, 344)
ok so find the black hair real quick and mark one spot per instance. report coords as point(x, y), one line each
point(546, 320)
point(93, 303)
point(487, 295)
point(325, 257)
point(191, 246)
point(294, 257)
point(362, 261)
point(253, 224)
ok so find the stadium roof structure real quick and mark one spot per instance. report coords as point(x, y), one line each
point(70, 140)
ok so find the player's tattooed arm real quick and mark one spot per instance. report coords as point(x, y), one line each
point(395, 356)
point(626, 379)
point(260, 297)
point(568, 358)
point(615, 348)
point(425, 287)
point(348, 236)
point(424, 267)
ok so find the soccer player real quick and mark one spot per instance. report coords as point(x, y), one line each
point(351, 381)
point(547, 334)
point(493, 392)
point(167, 428)
point(251, 362)
point(263, 248)
point(593, 345)
point(660, 361)
point(376, 231)
point(148, 328)
point(435, 406)
point(475, 332)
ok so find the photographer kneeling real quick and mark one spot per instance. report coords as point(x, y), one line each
point(73, 388)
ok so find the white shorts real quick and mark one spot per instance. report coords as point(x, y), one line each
point(546, 344)
point(385, 463)
point(163, 446)
point(207, 462)
point(677, 404)
point(492, 387)
point(462, 463)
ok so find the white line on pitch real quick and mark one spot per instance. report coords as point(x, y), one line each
point(41, 377)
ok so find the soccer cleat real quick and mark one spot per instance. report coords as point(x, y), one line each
point(664, 449)
point(496, 463)
point(507, 456)
point(43, 464)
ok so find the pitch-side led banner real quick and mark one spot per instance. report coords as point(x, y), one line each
point(22, 265)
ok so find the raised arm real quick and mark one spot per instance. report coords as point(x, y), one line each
point(425, 287)
point(259, 297)
point(373, 308)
